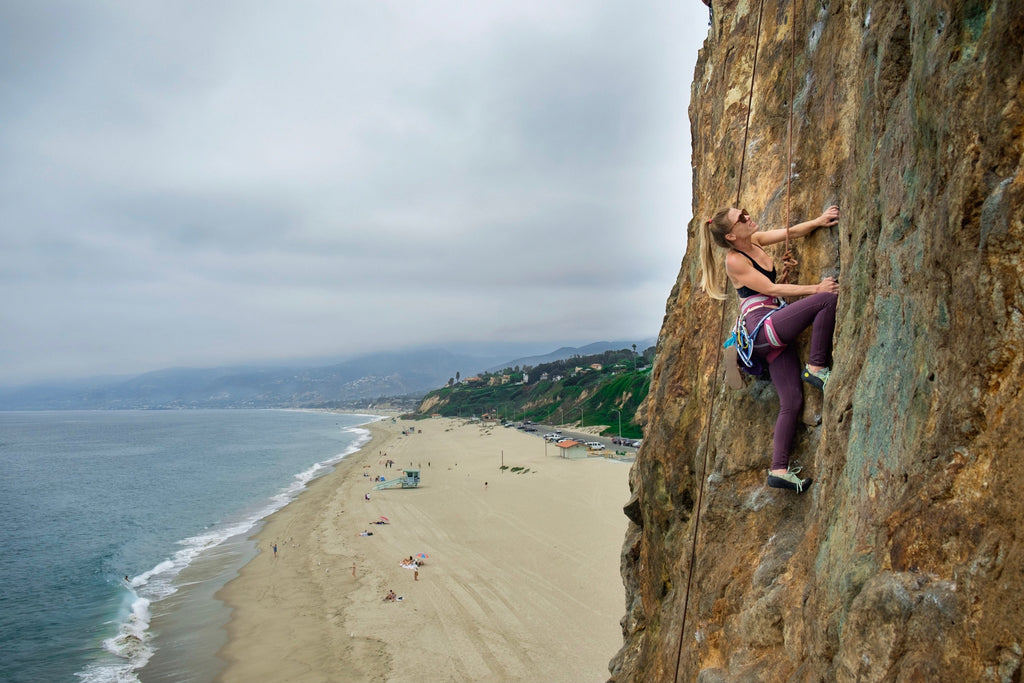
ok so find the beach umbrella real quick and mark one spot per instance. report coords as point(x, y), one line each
point(423, 556)
point(385, 518)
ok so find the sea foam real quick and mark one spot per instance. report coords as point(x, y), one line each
point(133, 643)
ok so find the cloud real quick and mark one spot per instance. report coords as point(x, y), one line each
point(203, 183)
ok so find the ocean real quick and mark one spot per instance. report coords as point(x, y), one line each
point(117, 528)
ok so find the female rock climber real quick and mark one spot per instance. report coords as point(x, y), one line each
point(752, 272)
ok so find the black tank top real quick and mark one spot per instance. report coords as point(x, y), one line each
point(745, 291)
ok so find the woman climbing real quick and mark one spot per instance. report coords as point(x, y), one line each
point(752, 272)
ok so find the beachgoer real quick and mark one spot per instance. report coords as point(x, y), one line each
point(752, 272)
point(275, 550)
point(416, 574)
point(353, 569)
point(485, 486)
point(366, 496)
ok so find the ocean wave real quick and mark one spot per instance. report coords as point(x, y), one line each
point(132, 644)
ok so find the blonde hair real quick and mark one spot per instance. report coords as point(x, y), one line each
point(712, 268)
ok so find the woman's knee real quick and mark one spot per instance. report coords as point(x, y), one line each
point(826, 300)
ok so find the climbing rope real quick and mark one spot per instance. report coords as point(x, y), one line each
point(788, 261)
point(718, 362)
point(750, 100)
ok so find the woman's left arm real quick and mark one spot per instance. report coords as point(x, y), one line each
point(826, 220)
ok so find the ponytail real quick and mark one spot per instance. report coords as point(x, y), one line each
point(713, 233)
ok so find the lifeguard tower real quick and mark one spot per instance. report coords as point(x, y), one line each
point(410, 479)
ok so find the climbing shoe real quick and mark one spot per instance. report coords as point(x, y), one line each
point(816, 379)
point(790, 481)
point(732, 368)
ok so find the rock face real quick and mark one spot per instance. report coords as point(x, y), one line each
point(904, 561)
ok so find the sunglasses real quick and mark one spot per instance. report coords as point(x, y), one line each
point(744, 217)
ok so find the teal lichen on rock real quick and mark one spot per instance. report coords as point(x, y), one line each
point(903, 562)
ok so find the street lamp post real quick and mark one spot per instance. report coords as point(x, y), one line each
point(620, 425)
point(581, 418)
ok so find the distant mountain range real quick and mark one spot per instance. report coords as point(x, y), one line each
point(355, 382)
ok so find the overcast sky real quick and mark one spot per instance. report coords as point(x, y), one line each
point(190, 183)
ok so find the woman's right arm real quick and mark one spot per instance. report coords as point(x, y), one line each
point(743, 274)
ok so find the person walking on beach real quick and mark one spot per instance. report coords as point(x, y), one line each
point(275, 550)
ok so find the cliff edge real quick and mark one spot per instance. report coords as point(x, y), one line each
point(902, 563)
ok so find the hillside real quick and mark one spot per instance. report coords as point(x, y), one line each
point(600, 389)
point(903, 562)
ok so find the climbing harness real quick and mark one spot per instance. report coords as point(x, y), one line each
point(744, 340)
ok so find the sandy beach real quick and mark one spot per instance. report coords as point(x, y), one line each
point(521, 582)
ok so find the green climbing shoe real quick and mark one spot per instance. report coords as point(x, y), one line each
point(816, 379)
point(790, 481)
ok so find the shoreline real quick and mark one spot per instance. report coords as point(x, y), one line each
point(191, 621)
point(521, 583)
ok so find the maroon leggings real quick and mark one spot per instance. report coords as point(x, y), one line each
point(819, 312)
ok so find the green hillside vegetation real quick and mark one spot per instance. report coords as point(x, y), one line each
point(592, 389)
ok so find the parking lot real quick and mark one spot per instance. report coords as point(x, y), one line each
point(555, 434)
